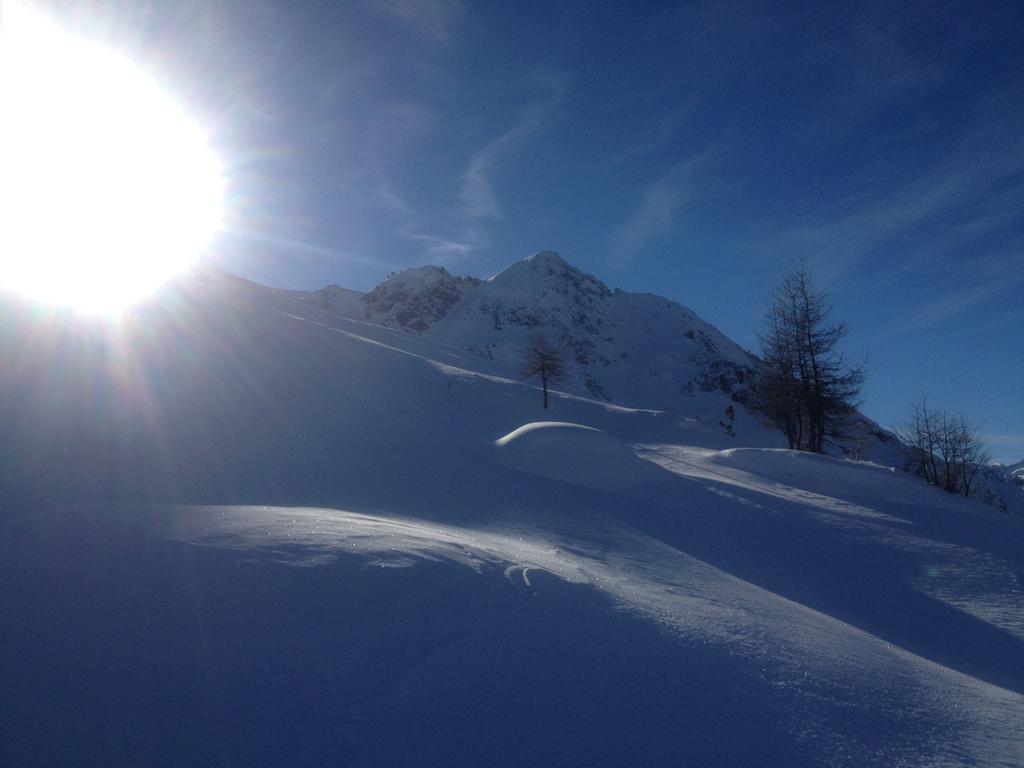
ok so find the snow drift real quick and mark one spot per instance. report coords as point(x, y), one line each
point(576, 454)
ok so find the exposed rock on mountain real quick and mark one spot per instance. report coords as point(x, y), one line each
point(414, 299)
point(631, 349)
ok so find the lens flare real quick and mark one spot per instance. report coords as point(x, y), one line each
point(107, 188)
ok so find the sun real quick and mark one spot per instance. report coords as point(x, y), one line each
point(107, 188)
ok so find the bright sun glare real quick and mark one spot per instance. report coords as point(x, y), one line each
point(107, 188)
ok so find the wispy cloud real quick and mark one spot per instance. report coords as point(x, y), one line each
point(373, 191)
point(433, 18)
point(956, 302)
point(447, 251)
point(657, 213)
point(959, 198)
point(308, 250)
point(385, 198)
point(657, 136)
point(478, 197)
point(873, 66)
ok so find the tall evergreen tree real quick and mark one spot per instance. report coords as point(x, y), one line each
point(809, 390)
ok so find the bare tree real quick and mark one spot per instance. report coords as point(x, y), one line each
point(972, 456)
point(541, 358)
point(921, 433)
point(809, 390)
point(949, 450)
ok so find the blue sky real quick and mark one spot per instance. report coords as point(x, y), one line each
point(686, 149)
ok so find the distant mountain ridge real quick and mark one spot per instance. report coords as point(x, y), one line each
point(637, 350)
point(414, 299)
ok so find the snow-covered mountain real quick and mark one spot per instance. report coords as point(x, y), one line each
point(631, 349)
point(1014, 473)
point(637, 350)
point(236, 528)
point(415, 299)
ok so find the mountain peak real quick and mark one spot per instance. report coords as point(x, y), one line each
point(548, 258)
point(635, 349)
point(427, 272)
point(414, 298)
point(546, 265)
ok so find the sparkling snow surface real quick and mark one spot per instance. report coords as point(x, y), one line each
point(239, 530)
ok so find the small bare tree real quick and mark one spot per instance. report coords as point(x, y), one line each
point(948, 450)
point(541, 358)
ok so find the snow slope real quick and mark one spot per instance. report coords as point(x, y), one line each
point(240, 529)
point(636, 350)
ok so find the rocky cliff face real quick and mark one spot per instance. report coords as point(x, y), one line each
point(415, 299)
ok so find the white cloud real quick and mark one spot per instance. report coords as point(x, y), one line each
point(961, 196)
point(956, 302)
point(993, 278)
point(433, 18)
point(309, 251)
point(446, 251)
point(478, 198)
point(657, 212)
point(656, 137)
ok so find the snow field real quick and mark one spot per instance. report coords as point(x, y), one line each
point(241, 530)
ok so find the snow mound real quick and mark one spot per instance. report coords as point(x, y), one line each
point(573, 453)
